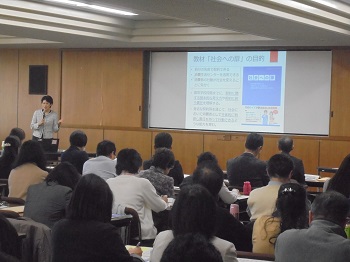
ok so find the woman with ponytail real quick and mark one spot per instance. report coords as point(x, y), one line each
point(291, 212)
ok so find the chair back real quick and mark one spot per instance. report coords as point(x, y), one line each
point(135, 227)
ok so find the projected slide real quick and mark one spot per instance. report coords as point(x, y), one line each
point(233, 90)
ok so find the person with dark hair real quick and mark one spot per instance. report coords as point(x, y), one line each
point(45, 121)
point(164, 139)
point(19, 132)
point(104, 164)
point(163, 162)
point(286, 145)
point(325, 239)
point(189, 248)
point(46, 202)
point(340, 182)
point(86, 233)
point(135, 192)
point(247, 167)
point(9, 241)
point(210, 175)
point(225, 194)
point(291, 212)
point(29, 168)
point(262, 200)
point(76, 154)
point(194, 212)
point(8, 156)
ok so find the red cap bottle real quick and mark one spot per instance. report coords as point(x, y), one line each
point(247, 188)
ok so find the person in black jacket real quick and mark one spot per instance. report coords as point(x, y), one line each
point(247, 167)
point(76, 154)
point(86, 233)
point(210, 175)
point(165, 140)
point(286, 145)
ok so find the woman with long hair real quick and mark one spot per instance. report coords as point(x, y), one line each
point(291, 212)
point(8, 156)
point(46, 202)
point(86, 233)
point(194, 212)
point(340, 182)
point(29, 168)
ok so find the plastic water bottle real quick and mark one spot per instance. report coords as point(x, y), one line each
point(247, 188)
point(234, 210)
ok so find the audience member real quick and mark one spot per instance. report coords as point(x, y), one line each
point(9, 241)
point(262, 201)
point(86, 233)
point(210, 176)
point(162, 163)
point(247, 167)
point(340, 182)
point(135, 192)
point(19, 132)
point(291, 212)
point(189, 248)
point(165, 140)
point(29, 169)
point(325, 239)
point(227, 196)
point(8, 156)
point(286, 145)
point(194, 212)
point(104, 164)
point(46, 202)
point(76, 154)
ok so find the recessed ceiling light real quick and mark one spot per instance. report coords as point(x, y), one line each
point(94, 7)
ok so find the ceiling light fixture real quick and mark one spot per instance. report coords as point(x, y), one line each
point(322, 2)
point(94, 7)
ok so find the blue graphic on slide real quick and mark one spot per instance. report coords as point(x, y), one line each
point(262, 86)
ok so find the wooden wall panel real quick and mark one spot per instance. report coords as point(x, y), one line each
point(139, 140)
point(103, 88)
point(27, 104)
point(8, 91)
point(94, 137)
point(339, 123)
point(308, 151)
point(186, 147)
point(223, 149)
point(332, 153)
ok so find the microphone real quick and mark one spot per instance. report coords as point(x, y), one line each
point(43, 114)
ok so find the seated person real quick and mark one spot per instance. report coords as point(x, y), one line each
point(136, 193)
point(247, 167)
point(46, 202)
point(193, 213)
point(19, 132)
point(165, 140)
point(104, 164)
point(286, 145)
point(210, 175)
point(340, 182)
point(76, 154)
point(8, 156)
point(87, 234)
point(262, 201)
point(189, 248)
point(291, 212)
point(227, 196)
point(162, 163)
point(29, 169)
point(325, 239)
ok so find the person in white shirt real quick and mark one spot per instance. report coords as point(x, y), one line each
point(104, 164)
point(136, 192)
